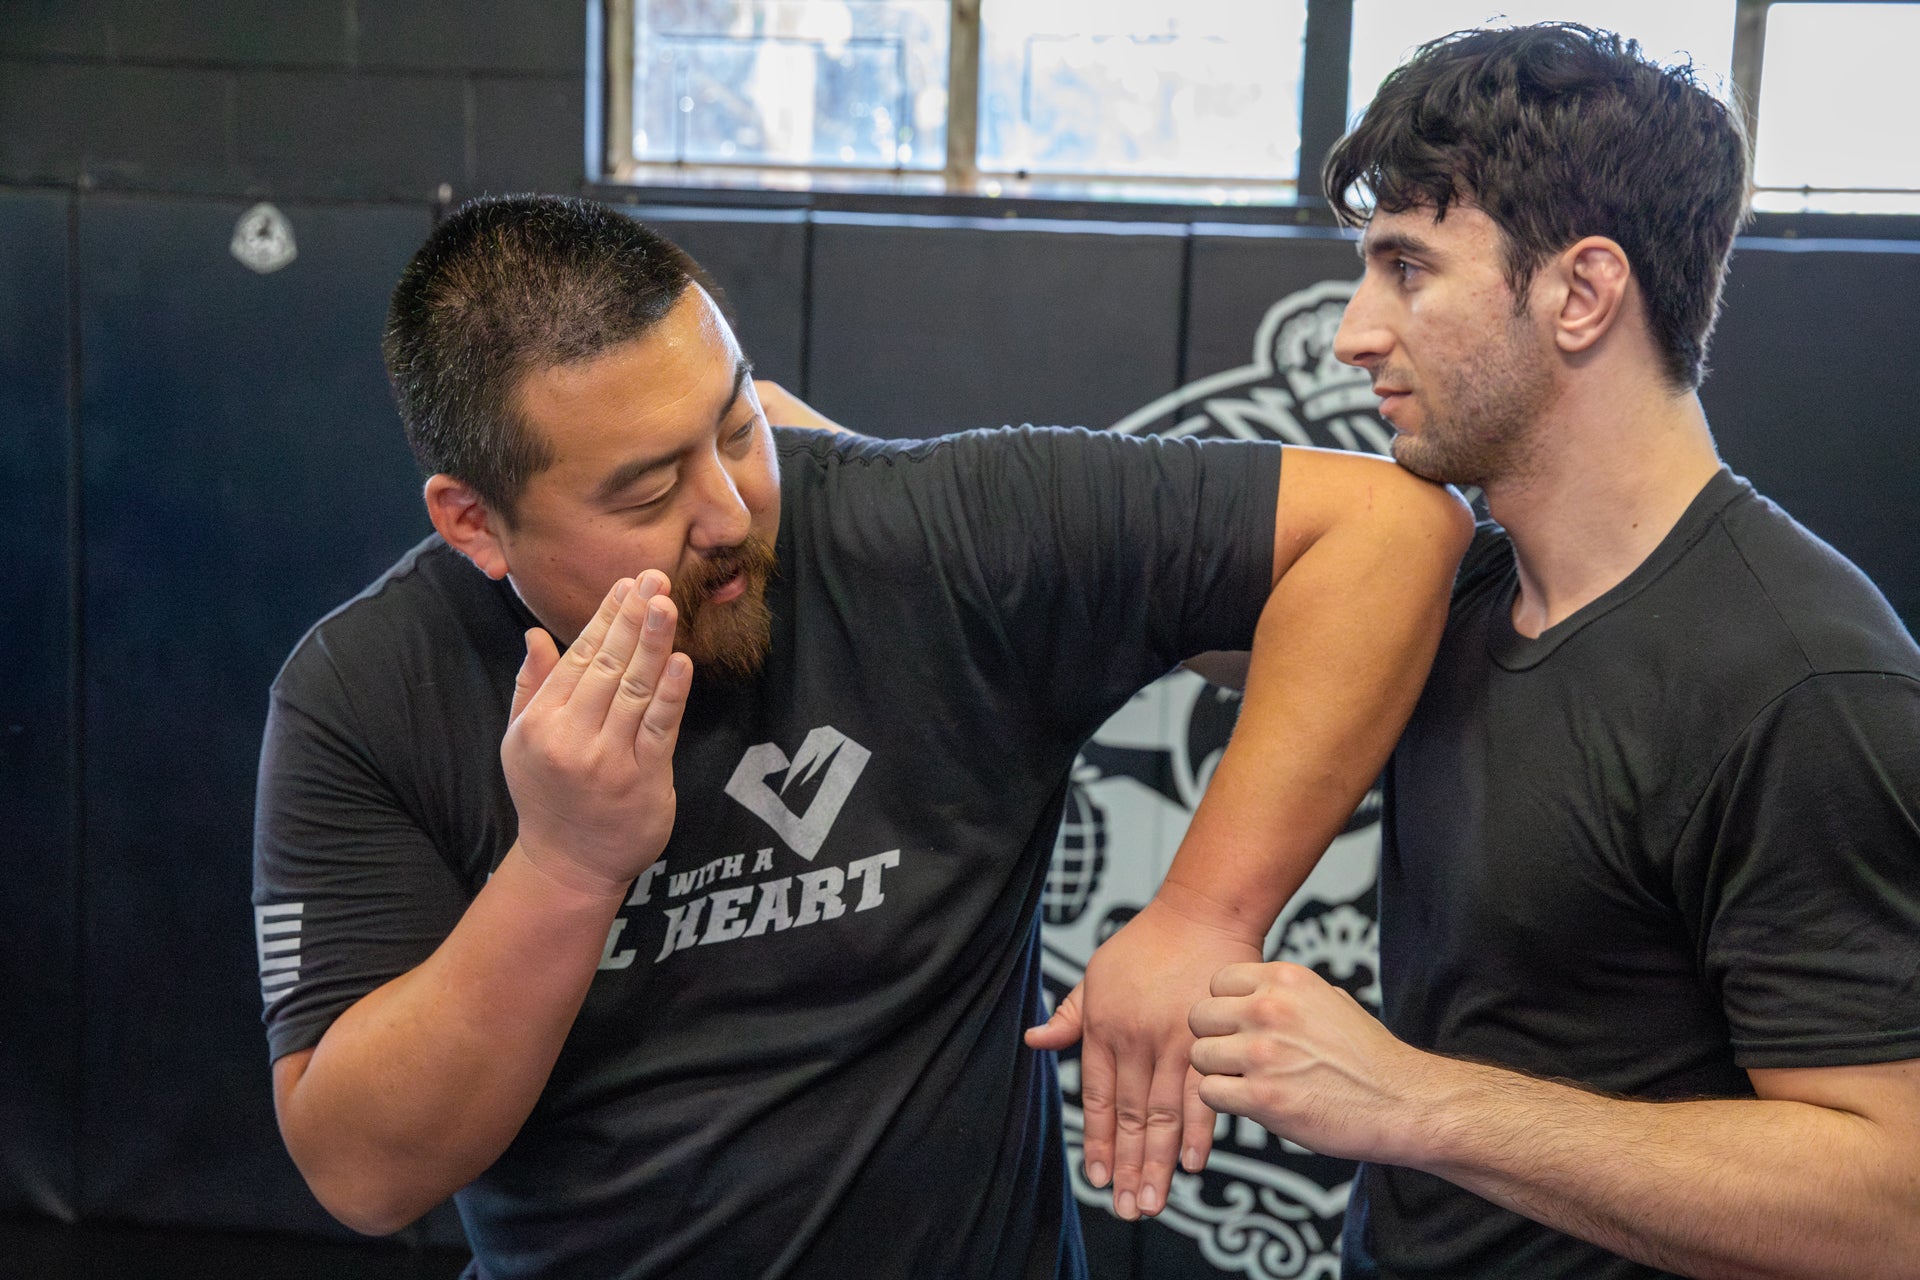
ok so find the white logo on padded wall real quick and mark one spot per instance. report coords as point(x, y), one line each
point(276, 936)
point(263, 240)
point(1261, 1208)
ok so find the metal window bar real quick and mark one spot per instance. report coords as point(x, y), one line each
point(1749, 56)
point(1323, 107)
point(1324, 78)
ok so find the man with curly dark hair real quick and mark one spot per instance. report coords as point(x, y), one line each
point(1650, 883)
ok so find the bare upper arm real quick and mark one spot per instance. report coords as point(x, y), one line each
point(784, 409)
point(1885, 1093)
point(1323, 488)
point(287, 1072)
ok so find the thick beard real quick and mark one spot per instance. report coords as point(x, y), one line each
point(729, 639)
point(1481, 429)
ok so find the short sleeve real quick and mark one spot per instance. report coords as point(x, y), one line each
point(1100, 561)
point(349, 892)
point(1810, 920)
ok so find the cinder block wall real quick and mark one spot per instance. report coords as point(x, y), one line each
point(296, 99)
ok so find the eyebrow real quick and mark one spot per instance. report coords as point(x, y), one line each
point(623, 476)
point(1392, 242)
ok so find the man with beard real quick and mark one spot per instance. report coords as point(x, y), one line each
point(714, 960)
point(1650, 883)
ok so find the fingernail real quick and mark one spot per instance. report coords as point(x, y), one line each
point(1126, 1206)
point(656, 618)
point(1190, 1160)
point(1149, 1200)
point(1097, 1174)
point(622, 589)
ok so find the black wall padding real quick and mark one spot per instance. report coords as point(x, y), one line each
point(39, 912)
point(1240, 272)
point(758, 257)
point(1812, 391)
point(244, 472)
point(926, 325)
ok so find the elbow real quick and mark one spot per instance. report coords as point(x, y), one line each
point(1433, 513)
point(372, 1195)
point(364, 1205)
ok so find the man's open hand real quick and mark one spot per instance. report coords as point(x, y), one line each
point(588, 752)
point(1140, 1095)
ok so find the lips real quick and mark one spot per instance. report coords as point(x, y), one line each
point(731, 589)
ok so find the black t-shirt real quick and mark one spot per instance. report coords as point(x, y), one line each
point(802, 1054)
point(1671, 839)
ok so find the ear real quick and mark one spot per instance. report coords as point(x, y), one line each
point(1596, 275)
point(461, 518)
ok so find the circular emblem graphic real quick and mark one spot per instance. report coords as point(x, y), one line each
point(1262, 1208)
point(263, 239)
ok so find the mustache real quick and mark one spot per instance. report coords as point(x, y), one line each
point(753, 557)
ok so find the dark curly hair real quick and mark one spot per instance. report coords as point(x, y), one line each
point(1558, 132)
point(503, 287)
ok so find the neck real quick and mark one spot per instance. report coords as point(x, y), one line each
point(1612, 475)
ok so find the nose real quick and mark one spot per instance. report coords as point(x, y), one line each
point(722, 517)
point(1362, 339)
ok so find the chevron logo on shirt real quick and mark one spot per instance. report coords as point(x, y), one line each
point(817, 781)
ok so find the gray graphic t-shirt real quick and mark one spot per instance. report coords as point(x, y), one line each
point(802, 1054)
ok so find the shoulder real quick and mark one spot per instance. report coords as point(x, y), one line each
point(1826, 609)
point(1488, 560)
point(822, 451)
point(430, 604)
point(1015, 473)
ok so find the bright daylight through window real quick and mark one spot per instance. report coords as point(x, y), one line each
point(1197, 100)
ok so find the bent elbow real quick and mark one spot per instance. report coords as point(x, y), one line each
point(1435, 511)
point(369, 1209)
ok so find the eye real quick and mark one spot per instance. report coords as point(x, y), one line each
point(744, 432)
point(647, 506)
point(1403, 270)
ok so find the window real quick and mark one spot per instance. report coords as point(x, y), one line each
point(1118, 95)
point(1198, 100)
point(1140, 89)
point(858, 84)
point(1834, 122)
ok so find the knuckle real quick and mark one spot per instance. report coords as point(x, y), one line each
point(1271, 1010)
point(1262, 1053)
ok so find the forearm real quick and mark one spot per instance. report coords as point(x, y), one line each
point(421, 1085)
point(1339, 658)
point(1739, 1187)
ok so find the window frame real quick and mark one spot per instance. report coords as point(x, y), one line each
point(1749, 58)
point(961, 189)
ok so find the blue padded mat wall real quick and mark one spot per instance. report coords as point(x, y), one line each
point(39, 913)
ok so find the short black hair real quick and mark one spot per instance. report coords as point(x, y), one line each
point(1557, 132)
point(505, 286)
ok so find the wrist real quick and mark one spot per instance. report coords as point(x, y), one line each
point(566, 882)
point(1444, 1108)
point(1194, 908)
